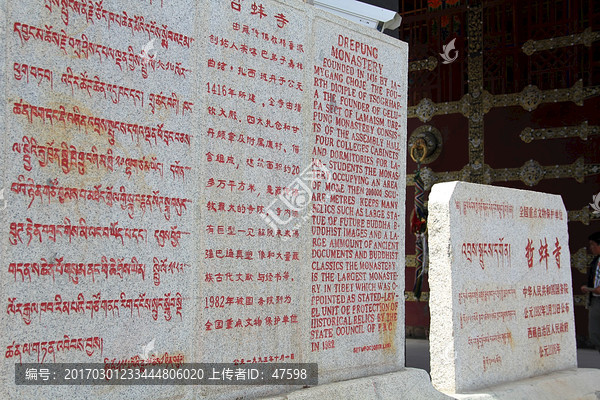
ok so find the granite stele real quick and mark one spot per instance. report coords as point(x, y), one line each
point(201, 182)
point(501, 295)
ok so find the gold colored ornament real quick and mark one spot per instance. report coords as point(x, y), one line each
point(429, 140)
point(582, 131)
point(587, 37)
point(531, 96)
point(585, 215)
point(420, 65)
point(580, 260)
point(530, 173)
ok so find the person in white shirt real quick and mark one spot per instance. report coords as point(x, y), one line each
point(593, 291)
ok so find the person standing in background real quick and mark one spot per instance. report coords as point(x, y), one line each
point(593, 291)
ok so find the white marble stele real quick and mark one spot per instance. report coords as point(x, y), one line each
point(501, 295)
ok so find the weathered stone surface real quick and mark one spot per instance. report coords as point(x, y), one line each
point(500, 277)
point(408, 384)
point(214, 181)
point(571, 384)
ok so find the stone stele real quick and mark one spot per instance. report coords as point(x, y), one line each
point(500, 277)
point(199, 181)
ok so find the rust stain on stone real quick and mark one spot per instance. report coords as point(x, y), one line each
point(387, 321)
